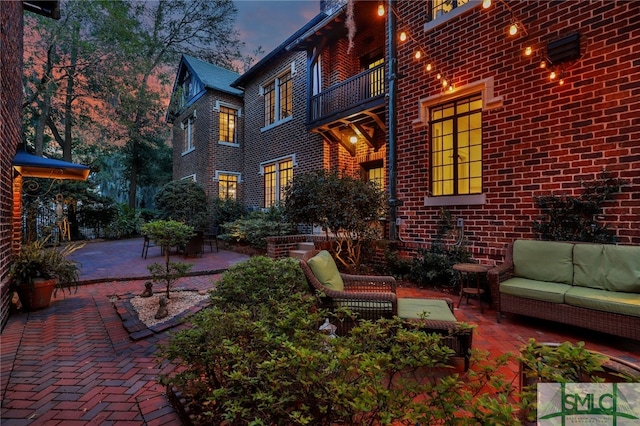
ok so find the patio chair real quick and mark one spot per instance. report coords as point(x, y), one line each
point(211, 238)
point(372, 297)
point(145, 246)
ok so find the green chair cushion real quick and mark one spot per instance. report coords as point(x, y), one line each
point(603, 300)
point(543, 261)
point(326, 271)
point(532, 289)
point(433, 309)
point(623, 268)
point(589, 265)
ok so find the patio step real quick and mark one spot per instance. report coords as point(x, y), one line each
point(301, 250)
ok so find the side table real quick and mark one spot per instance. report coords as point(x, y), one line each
point(465, 270)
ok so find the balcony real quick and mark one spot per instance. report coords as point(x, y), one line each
point(363, 93)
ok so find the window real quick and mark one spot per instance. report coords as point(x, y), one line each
point(456, 147)
point(227, 186)
point(278, 99)
point(374, 172)
point(377, 78)
point(276, 177)
point(440, 7)
point(228, 124)
point(188, 128)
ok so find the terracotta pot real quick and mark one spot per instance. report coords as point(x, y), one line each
point(37, 296)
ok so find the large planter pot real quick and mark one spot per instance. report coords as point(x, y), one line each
point(37, 296)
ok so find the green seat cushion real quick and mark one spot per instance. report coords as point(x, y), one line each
point(543, 261)
point(623, 268)
point(533, 289)
point(603, 300)
point(326, 271)
point(433, 309)
point(589, 265)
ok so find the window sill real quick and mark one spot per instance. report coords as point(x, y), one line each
point(456, 200)
point(441, 20)
point(187, 151)
point(276, 124)
point(233, 144)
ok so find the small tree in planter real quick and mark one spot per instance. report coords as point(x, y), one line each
point(167, 234)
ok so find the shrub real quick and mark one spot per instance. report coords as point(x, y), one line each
point(434, 267)
point(126, 222)
point(224, 210)
point(255, 228)
point(184, 201)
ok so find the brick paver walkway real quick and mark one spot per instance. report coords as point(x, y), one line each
point(75, 363)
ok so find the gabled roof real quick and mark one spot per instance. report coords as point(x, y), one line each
point(211, 76)
point(267, 60)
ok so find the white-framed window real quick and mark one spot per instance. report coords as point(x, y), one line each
point(188, 128)
point(441, 11)
point(228, 120)
point(278, 98)
point(455, 130)
point(192, 178)
point(276, 176)
point(227, 184)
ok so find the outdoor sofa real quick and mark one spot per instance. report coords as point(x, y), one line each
point(372, 297)
point(594, 286)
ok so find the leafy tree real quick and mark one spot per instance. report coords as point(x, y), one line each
point(167, 234)
point(184, 201)
point(347, 207)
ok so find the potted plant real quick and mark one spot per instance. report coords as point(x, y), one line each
point(37, 272)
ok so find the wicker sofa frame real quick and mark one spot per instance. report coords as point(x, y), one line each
point(373, 297)
point(626, 326)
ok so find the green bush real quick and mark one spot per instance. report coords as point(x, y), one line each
point(255, 228)
point(125, 222)
point(434, 267)
point(224, 210)
point(184, 201)
point(256, 357)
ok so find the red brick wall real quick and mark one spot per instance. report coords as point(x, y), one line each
point(11, 22)
point(544, 138)
point(208, 155)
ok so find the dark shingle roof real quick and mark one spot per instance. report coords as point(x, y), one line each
point(212, 76)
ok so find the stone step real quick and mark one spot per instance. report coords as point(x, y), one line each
point(297, 254)
point(306, 246)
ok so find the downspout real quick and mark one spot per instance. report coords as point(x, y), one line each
point(392, 133)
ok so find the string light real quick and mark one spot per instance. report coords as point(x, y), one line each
point(486, 4)
point(429, 66)
point(403, 36)
point(380, 9)
point(543, 64)
point(418, 54)
point(513, 29)
point(445, 83)
point(439, 76)
point(528, 51)
point(553, 75)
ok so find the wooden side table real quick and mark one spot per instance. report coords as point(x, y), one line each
point(465, 270)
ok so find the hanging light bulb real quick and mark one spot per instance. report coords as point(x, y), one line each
point(451, 88)
point(513, 29)
point(403, 36)
point(445, 83)
point(528, 51)
point(553, 75)
point(418, 54)
point(353, 139)
point(429, 67)
point(486, 4)
point(561, 82)
point(380, 9)
point(543, 64)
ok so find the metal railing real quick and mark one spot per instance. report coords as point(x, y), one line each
point(347, 94)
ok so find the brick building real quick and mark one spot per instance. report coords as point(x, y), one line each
point(480, 128)
point(502, 130)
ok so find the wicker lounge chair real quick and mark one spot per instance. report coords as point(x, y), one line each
point(372, 297)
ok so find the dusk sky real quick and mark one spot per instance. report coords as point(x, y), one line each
point(268, 23)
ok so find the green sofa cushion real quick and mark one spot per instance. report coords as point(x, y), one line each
point(326, 271)
point(590, 265)
point(434, 309)
point(603, 300)
point(623, 268)
point(533, 289)
point(543, 261)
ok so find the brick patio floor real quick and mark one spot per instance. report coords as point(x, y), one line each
point(75, 363)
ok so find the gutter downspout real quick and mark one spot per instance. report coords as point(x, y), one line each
point(392, 133)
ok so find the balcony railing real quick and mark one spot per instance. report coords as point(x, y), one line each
point(347, 94)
